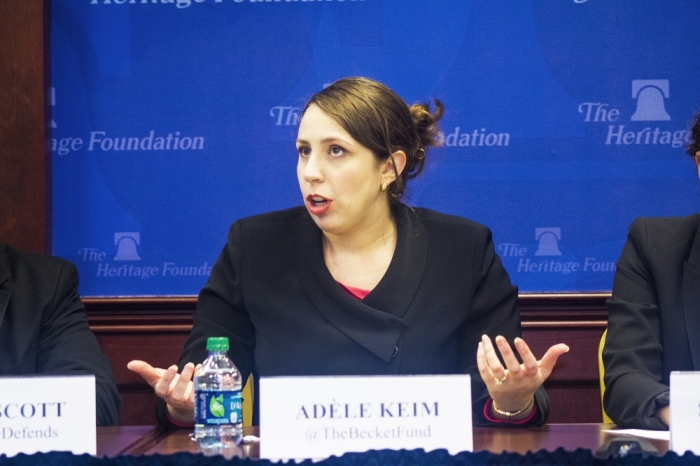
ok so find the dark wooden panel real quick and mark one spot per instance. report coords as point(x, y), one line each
point(556, 308)
point(138, 406)
point(581, 362)
point(574, 404)
point(150, 329)
point(156, 339)
point(158, 349)
point(124, 309)
point(24, 161)
point(155, 329)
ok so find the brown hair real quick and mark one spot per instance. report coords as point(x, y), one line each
point(694, 144)
point(376, 117)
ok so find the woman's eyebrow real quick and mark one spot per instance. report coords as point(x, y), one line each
point(331, 139)
point(327, 140)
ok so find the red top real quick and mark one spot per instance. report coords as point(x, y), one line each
point(358, 293)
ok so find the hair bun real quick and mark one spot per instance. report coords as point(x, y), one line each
point(426, 123)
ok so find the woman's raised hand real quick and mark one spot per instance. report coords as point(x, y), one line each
point(176, 389)
point(512, 388)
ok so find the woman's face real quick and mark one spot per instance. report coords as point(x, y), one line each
point(340, 179)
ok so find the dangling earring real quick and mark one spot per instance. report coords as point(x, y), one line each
point(383, 187)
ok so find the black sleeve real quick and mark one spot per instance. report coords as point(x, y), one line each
point(66, 345)
point(495, 305)
point(633, 352)
point(220, 313)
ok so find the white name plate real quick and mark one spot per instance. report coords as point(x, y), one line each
point(47, 413)
point(685, 412)
point(316, 417)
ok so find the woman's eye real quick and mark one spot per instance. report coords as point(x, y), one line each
point(304, 151)
point(336, 151)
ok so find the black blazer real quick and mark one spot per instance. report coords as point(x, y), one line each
point(272, 295)
point(44, 329)
point(654, 320)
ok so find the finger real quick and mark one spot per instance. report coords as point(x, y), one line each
point(509, 358)
point(529, 359)
point(492, 358)
point(149, 373)
point(484, 370)
point(139, 366)
point(550, 358)
point(162, 386)
point(190, 387)
point(179, 393)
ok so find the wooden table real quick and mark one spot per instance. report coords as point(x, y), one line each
point(140, 440)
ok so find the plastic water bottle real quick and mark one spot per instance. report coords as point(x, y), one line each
point(217, 403)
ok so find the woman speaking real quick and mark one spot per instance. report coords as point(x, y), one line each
point(357, 283)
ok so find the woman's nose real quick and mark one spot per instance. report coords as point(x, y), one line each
point(313, 171)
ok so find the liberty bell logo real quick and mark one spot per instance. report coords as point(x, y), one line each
point(126, 246)
point(548, 241)
point(650, 94)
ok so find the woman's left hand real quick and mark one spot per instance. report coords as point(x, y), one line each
point(512, 387)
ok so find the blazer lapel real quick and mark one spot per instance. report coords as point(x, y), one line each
point(374, 329)
point(396, 290)
point(691, 299)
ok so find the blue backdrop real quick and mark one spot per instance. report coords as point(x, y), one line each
point(172, 118)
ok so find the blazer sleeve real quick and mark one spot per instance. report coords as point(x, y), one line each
point(66, 345)
point(495, 307)
point(220, 312)
point(633, 352)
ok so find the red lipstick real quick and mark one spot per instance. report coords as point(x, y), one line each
point(317, 204)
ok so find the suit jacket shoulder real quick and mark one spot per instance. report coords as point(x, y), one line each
point(457, 232)
point(44, 328)
point(667, 239)
point(429, 216)
point(18, 264)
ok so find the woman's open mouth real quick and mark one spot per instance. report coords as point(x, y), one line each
point(317, 204)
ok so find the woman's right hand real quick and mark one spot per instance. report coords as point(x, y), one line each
point(176, 389)
point(665, 415)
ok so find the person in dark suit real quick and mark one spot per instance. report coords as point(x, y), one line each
point(654, 318)
point(44, 329)
point(357, 283)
